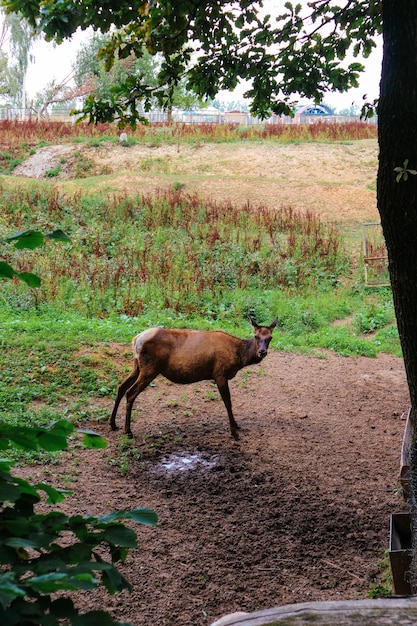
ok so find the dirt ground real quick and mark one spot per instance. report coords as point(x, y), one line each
point(298, 509)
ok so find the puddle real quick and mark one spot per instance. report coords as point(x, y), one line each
point(187, 461)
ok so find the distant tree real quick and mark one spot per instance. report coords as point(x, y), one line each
point(233, 105)
point(4, 80)
point(106, 77)
point(62, 93)
point(353, 111)
point(16, 37)
point(89, 67)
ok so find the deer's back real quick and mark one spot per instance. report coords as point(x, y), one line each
point(185, 356)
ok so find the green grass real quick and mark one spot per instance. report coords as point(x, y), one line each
point(55, 362)
point(171, 260)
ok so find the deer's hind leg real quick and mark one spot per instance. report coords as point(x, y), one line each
point(123, 387)
point(132, 393)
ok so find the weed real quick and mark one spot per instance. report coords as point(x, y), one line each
point(173, 252)
point(127, 454)
point(373, 316)
point(383, 586)
point(54, 171)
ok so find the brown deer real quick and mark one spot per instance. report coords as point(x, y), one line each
point(188, 356)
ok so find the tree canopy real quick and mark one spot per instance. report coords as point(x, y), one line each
point(90, 71)
point(16, 38)
point(213, 45)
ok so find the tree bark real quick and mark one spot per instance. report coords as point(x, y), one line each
point(397, 192)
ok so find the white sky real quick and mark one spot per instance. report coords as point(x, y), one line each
point(55, 62)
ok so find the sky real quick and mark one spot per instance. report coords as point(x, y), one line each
point(55, 62)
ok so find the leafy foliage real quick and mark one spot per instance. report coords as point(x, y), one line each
point(28, 239)
point(163, 241)
point(35, 561)
point(297, 52)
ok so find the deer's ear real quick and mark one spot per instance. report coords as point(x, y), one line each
point(253, 322)
point(274, 323)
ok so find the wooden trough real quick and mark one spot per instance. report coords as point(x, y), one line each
point(400, 552)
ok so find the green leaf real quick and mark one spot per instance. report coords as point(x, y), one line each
point(8, 589)
point(58, 235)
point(5, 464)
point(9, 492)
point(93, 618)
point(93, 440)
point(18, 525)
point(63, 608)
point(120, 535)
point(21, 437)
point(63, 427)
point(51, 441)
point(141, 515)
point(30, 239)
point(54, 495)
point(6, 270)
point(55, 581)
point(19, 542)
point(114, 581)
point(30, 279)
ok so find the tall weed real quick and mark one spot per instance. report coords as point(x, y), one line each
point(166, 251)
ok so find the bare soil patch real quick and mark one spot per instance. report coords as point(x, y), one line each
point(297, 510)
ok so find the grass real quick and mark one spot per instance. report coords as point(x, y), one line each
point(383, 586)
point(170, 259)
point(141, 255)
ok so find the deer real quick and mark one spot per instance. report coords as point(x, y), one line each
point(188, 356)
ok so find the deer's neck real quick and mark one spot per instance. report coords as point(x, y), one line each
point(248, 352)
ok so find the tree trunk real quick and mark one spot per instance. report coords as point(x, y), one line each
point(397, 192)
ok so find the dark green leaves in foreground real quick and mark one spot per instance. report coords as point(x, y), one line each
point(52, 438)
point(28, 239)
point(34, 561)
